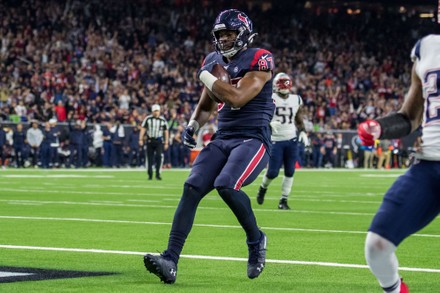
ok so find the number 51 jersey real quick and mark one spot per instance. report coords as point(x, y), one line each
point(283, 121)
point(427, 54)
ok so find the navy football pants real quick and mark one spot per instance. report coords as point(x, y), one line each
point(226, 165)
point(411, 203)
point(283, 153)
point(231, 163)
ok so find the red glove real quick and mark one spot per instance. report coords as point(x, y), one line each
point(368, 131)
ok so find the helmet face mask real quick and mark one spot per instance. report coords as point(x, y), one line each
point(232, 20)
point(282, 83)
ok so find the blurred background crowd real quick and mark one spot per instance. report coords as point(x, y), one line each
point(87, 65)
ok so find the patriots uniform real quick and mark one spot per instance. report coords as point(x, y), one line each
point(427, 54)
point(413, 201)
point(285, 143)
point(283, 122)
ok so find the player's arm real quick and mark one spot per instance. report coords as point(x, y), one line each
point(409, 117)
point(203, 110)
point(200, 116)
point(413, 105)
point(299, 121)
point(247, 88)
point(400, 124)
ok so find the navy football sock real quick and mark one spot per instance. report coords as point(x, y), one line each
point(183, 221)
point(240, 205)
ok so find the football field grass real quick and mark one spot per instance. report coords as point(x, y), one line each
point(105, 220)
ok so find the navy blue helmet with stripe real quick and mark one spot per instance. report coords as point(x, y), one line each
point(234, 20)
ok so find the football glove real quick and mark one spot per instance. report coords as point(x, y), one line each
point(207, 67)
point(369, 131)
point(302, 137)
point(188, 138)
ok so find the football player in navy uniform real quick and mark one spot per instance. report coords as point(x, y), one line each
point(287, 121)
point(413, 201)
point(239, 150)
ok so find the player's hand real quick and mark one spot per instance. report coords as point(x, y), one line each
point(188, 138)
point(369, 131)
point(302, 137)
point(207, 67)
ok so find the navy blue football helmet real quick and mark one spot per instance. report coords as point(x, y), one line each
point(235, 20)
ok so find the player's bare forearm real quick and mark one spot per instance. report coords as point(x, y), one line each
point(299, 121)
point(413, 104)
point(247, 88)
point(204, 108)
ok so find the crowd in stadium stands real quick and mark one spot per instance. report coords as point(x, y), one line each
point(104, 63)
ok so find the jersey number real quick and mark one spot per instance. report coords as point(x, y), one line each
point(262, 63)
point(432, 92)
point(286, 114)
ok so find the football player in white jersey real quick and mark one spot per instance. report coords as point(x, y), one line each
point(286, 122)
point(413, 201)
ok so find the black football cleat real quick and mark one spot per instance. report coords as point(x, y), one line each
point(261, 194)
point(165, 269)
point(283, 204)
point(257, 257)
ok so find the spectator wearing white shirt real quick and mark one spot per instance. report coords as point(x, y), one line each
point(34, 137)
point(98, 142)
point(124, 100)
point(21, 110)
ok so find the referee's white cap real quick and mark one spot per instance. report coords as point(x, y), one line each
point(155, 107)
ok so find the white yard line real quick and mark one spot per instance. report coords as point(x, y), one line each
point(12, 201)
point(207, 257)
point(197, 225)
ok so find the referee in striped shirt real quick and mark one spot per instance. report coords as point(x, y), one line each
point(156, 128)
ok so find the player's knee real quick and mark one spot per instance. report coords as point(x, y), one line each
point(191, 191)
point(230, 196)
point(271, 174)
point(289, 174)
point(377, 246)
point(225, 193)
point(197, 181)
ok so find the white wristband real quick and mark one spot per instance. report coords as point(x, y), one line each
point(208, 79)
point(194, 124)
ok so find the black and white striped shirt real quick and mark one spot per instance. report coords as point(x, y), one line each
point(155, 126)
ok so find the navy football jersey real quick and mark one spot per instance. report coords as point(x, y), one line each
point(251, 120)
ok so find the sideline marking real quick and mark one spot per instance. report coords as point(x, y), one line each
point(207, 257)
point(196, 225)
point(64, 202)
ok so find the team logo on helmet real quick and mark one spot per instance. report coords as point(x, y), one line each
point(282, 83)
point(244, 20)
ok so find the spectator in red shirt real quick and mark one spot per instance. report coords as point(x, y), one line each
point(60, 111)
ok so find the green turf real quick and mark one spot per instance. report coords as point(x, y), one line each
point(119, 210)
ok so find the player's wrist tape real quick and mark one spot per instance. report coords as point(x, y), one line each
point(395, 125)
point(194, 124)
point(208, 79)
